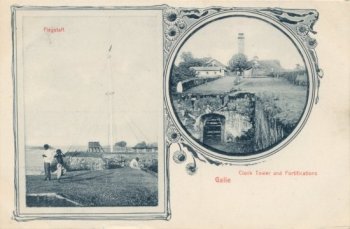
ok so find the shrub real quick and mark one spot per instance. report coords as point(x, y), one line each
point(153, 166)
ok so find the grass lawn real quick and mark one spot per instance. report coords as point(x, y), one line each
point(113, 187)
point(219, 86)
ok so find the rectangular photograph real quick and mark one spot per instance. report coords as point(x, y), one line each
point(89, 109)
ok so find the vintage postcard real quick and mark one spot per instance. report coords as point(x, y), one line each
point(177, 115)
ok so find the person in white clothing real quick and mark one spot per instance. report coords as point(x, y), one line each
point(47, 157)
point(59, 158)
point(134, 164)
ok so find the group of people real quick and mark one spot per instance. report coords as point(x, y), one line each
point(48, 155)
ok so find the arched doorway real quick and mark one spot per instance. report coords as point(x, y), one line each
point(213, 128)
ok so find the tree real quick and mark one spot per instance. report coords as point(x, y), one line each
point(141, 145)
point(187, 56)
point(183, 71)
point(121, 144)
point(153, 144)
point(239, 63)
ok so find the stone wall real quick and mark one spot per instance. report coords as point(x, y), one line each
point(252, 122)
point(239, 116)
point(84, 163)
point(124, 159)
point(236, 125)
point(107, 161)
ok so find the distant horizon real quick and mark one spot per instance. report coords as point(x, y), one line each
point(80, 145)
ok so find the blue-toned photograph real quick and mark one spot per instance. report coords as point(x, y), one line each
point(238, 86)
point(91, 109)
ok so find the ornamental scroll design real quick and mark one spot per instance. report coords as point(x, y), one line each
point(302, 23)
point(179, 21)
point(184, 152)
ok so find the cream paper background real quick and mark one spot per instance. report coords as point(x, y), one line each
point(321, 201)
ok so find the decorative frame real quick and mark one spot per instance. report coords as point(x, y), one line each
point(18, 214)
point(296, 24)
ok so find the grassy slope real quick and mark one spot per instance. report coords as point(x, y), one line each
point(289, 98)
point(114, 187)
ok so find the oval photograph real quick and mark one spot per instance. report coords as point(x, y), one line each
point(238, 86)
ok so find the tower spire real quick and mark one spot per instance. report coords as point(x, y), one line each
point(241, 43)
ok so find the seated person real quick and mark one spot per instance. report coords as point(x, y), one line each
point(134, 163)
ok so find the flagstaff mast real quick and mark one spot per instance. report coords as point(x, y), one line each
point(110, 94)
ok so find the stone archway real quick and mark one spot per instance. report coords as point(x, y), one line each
point(213, 128)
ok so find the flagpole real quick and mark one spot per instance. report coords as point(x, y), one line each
point(110, 94)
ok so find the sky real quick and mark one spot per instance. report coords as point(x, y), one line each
point(66, 76)
point(218, 40)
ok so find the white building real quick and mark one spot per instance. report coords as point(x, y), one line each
point(211, 71)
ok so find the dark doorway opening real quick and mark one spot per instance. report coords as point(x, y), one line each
point(213, 129)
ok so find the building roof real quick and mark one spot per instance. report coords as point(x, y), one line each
point(214, 63)
point(210, 68)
